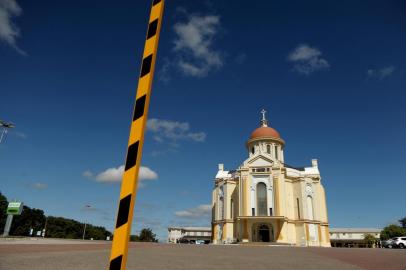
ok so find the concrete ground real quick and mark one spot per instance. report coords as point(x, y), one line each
point(73, 254)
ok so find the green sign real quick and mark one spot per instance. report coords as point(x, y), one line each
point(14, 208)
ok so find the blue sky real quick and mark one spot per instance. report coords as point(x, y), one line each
point(331, 75)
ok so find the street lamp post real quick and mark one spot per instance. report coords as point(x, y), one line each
point(84, 232)
point(84, 228)
point(5, 126)
point(45, 227)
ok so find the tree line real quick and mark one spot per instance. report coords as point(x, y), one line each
point(34, 220)
point(59, 227)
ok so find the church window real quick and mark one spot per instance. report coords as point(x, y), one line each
point(253, 212)
point(268, 149)
point(310, 207)
point(231, 209)
point(261, 199)
point(298, 208)
point(253, 150)
point(221, 208)
point(276, 151)
point(270, 211)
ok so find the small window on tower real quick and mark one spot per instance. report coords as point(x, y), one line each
point(253, 150)
point(268, 149)
point(276, 151)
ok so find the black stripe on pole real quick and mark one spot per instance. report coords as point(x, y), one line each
point(156, 2)
point(123, 211)
point(146, 65)
point(115, 264)
point(139, 107)
point(153, 26)
point(132, 155)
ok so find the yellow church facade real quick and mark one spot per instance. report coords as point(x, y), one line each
point(266, 200)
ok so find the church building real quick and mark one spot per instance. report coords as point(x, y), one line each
point(266, 200)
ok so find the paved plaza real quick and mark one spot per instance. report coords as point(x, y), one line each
point(72, 254)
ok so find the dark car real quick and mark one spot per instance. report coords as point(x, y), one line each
point(183, 241)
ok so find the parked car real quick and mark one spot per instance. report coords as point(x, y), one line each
point(388, 243)
point(183, 241)
point(199, 242)
point(399, 242)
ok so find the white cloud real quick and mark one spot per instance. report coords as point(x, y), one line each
point(39, 185)
point(163, 73)
point(381, 73)
point(173, 131)
point(113, 175)
point(307, 59)
point(194, 45)
point(9, 32)
point(199, 212)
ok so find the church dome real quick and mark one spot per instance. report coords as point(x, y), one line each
point(265, 131)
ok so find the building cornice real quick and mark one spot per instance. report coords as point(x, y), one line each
point(272, 139)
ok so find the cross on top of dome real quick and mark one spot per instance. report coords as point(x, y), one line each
point(264, 122)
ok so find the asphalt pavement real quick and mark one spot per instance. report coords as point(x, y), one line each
point(89, 255)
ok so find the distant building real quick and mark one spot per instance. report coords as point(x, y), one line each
point(265, 200)
point(351, 237)
point(188, 234)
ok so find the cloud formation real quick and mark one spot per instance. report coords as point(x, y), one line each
point(114, 175)
point(173, 131)
point(9, 32)
point(381, 73)
point(200, 212)
point(307, 59)
point(39, 186)
point(193, 42)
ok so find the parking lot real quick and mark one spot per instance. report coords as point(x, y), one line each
point(71, 254)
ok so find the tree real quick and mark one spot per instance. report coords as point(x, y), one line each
point(59, 227)
point(146, 235)
point(403, 222)
point(369, 240)
point(29, 218)
point(134, 238)
point(3, 210)
point(392, 231)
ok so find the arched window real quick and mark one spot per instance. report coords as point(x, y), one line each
point(276, 151)
point(221, 208)
point(231, 209)
point(253, 150)
point(261, 199)
point(310, 207)
point(268, 148)
point(221, 203)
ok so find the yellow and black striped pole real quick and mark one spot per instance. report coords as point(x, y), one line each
point(119, 249)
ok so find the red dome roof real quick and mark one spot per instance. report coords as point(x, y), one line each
point(265, 132)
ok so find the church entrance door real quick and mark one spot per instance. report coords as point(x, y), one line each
point(263, 233)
